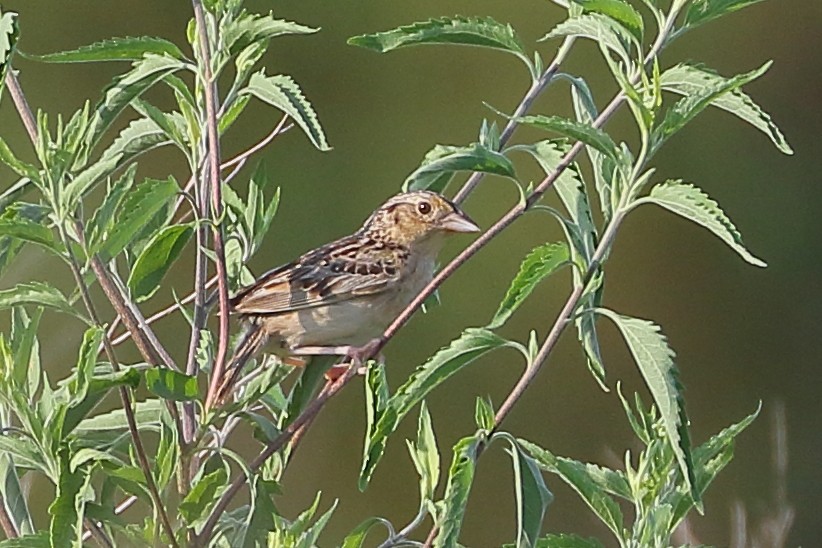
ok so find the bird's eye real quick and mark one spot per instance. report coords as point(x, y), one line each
point(424, 208)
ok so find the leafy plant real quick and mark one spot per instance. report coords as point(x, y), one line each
point(81, 202)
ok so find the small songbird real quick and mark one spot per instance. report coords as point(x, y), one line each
point(338, 297)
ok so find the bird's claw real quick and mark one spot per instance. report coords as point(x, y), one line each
point(356, 358)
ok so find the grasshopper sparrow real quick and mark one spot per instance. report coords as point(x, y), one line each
point(338, 297)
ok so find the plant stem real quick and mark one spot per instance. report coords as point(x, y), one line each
point(210, 91)
point(330, 390)
point(22, 106)
point(566, 313)
point(537, 87)
point(28, 120)
point(125, 396)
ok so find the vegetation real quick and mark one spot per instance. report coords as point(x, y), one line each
point(81, 202)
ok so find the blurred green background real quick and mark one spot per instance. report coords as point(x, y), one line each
point(741, 334)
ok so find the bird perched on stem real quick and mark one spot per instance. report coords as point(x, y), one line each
point(335, 299)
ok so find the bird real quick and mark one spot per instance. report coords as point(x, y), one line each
point(337, 298)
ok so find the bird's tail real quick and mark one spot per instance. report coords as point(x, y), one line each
point(251, 343)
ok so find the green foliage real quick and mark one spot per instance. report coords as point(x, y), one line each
point(538, 265)
point(468, 31)
point(442, 162)
point(114, 49)
point(460, 478)
point(9, 32)
point(693, 204)
point(472, 344)
point(281, 92)
point(78, 198)
point(155, 260)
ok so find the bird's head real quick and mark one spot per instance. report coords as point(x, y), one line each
point(418, 217)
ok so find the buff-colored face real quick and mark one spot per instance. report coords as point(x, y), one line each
point(411, 217)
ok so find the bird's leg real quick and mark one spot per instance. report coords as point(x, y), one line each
point(357, 355)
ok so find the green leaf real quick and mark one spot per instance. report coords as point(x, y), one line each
point(591, 482)
point(460, 478)
point(84, 182)
point(173, 124)
point(89, 454)
point(233, 112)
point(14, 501)
point(262, 515)
point(114, 49)
point(356, 537)
point(66, 527)
point(484, 414)
point(467, 31)
point(146, 413)
point(692, 203)
point(20, 167)
point(26, 371)
point(589, 135)
point(81, 379)
point(376, 396)
point(700, 12)
point(603, 30)
point(472, 344)
point(26, 454)
point(138, 137)
point(99, 386)
point(622, 12)
point(156, 258)
point(10, 247)
point(309, 538)
point(709, 459)
point(37, 293)
point(171, 385)
point(532, 495)
point(540, 263)
point(425, 455)
point(203, 495)
point(9, 32)
point(281, 92)
point(103, 220)
point(144, 73)
point(249, 28)
point(655, 360)
point(442, 162)
point(581, 233)
point(138, 208)
point(687, 108)
point(29, 231)
point(691, 80)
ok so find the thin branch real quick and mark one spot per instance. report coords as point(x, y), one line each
point(163, 313)
point(210, 90)
point(22, 106)
point(537, 87)
point(241, 158)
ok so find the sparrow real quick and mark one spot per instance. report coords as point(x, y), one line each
point(335, 299)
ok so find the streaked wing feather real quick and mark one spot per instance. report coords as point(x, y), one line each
point(320, 277)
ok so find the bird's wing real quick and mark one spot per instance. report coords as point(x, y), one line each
point(343, 270)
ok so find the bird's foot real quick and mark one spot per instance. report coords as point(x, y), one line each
point(356, 356)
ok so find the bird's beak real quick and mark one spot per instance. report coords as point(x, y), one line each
point(458, 222)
